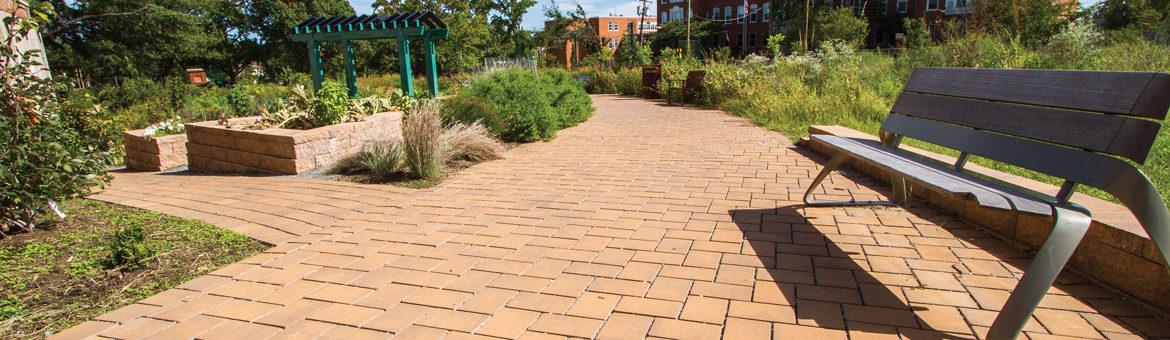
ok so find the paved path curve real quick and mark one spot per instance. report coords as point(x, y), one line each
point(645, 221)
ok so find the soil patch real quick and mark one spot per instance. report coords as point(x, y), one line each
point(68, 270)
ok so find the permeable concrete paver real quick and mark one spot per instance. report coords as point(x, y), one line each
point(646, 221)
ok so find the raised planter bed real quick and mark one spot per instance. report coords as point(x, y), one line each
point(154, 154)
point(215, 148)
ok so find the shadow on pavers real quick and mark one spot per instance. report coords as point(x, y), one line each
point(824, 283)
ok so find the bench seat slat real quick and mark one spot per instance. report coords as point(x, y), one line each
point(1117, 135)
point(1139, 94)
point(925, 173)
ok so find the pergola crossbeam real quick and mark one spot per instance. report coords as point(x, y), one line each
point(399, 26)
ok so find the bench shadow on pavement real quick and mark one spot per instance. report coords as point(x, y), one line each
point(822, 282)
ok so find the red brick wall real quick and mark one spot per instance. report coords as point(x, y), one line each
point(8, 6)
point(730, 32)
point(601, 26)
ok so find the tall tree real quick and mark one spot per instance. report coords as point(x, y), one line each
point(506, 18)
point(1031, 21)
point(468, 42)
point(105, 38)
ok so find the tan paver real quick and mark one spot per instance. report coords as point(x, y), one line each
point(645, 221)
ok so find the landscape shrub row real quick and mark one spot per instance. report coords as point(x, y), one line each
point(520, 105)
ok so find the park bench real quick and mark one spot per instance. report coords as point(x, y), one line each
point(694, 83)
point(1075, 125)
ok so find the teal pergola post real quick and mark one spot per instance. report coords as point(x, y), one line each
point(350, 70)
point(404, 66)
point(315, 70)
point(432, 71)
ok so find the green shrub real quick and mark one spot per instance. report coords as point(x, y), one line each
point(422, 147)
point(628, 82)
point(522, 101)
point(569, 101)
point(128, 248)
point(329, 105)
point(41, 161)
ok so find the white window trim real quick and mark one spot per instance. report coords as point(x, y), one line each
point(936, 5)
point(755, 16)
point(767, 11)
point(902, 9)
point(739, 11)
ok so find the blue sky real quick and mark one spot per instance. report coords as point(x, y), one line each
point(535, 17)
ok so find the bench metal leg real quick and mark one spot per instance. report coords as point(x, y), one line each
point(838, 158)
point(1070, 227)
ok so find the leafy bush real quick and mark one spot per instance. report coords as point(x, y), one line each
point(128, 248)
point(520, 106)
point(841, 24)
point(42, 161)
point(421, 140)
point(330, 104)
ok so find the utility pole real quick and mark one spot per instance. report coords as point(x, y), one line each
point(744, 17)
point(688, 15)
point(642, 22)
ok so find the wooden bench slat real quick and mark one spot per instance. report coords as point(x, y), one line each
point(925, 173)
point(1116, 135)
point(1139, 94)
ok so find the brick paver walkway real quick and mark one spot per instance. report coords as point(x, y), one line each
point(646, 221)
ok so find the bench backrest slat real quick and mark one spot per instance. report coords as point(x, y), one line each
point(695, 79)
point(1116, 135)
point(1138, 94)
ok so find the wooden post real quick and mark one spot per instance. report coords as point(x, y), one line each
point(350, 70)
point(315, 65)
point(429, 64)
point(404, 66)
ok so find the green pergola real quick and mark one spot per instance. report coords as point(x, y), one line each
point(399, 26)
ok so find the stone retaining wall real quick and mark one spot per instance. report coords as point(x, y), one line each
point(155, 154)
point(1116, 251)
point(215, 148)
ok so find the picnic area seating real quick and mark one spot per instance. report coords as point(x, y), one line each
point(694, 83)
point(1075, 125)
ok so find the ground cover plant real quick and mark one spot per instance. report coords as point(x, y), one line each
point(101, 257)
point(520, 105)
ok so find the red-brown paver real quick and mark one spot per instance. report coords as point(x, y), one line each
point(645, 221)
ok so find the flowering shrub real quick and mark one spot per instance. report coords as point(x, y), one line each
point(168, 127)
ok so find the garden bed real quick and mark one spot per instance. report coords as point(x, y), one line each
point(212, 147)
point(63, 273)
point(154, 154)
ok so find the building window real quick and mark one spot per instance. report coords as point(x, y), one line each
point(881, 7)
point(739, 14)
point(613, 25)
point(664, 18)
point(752, 39)
point(738, 39)
point(727, 15)
point(755, 13)
point(767, 11)
point(932, 5)
point(902, 6)
point(846, 3)
point(715, 14)
point(676, 13)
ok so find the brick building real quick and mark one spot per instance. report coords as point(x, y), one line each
point(610, 30)
point(732, 15)
point(885, 24)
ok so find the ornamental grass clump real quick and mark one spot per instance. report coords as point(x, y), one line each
point(421, 141)
point(469, 142)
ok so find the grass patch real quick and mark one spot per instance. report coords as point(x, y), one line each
point(102, 257)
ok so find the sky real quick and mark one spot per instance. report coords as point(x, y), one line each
point(534, 19)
